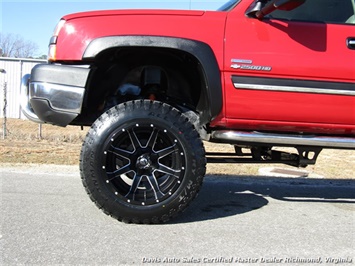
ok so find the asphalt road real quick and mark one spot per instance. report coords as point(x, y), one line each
point(47, 219)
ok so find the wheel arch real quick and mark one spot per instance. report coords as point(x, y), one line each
point(210, 103)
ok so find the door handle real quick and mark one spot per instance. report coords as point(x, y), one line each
point(350, 42)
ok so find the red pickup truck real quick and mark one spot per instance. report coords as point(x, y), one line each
point(153, 84)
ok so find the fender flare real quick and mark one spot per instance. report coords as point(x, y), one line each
point(212, 103)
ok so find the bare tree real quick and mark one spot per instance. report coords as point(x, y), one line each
point(12, 45)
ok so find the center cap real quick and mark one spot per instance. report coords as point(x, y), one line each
point(143, 162)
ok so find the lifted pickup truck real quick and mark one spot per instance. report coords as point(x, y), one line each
point(152, 84)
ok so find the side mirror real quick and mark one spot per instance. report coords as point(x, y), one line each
point(286, 5)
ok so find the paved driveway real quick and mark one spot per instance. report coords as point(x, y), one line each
point(47, 218)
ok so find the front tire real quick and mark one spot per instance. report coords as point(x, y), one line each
point(142, 162)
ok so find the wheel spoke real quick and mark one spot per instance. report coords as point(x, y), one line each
point(165, 152)
point(152, 139)
point(134, 139)
point(155, 187)
point(167, 170)
point(123, 170)
point(121, 153)
point(137, 179)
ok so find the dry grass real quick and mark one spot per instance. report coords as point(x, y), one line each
point(62, 146)
point(56, 145)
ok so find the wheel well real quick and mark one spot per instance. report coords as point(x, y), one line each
point(165, 74)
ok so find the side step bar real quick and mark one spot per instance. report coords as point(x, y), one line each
point(284, 140)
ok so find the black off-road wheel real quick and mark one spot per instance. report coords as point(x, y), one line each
point(142, 162)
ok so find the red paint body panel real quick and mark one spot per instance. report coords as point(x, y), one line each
point(284, 49)
point(169, 23)
point(295, 51)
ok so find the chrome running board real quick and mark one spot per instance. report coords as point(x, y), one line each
point(283, 140)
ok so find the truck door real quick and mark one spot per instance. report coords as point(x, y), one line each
point(292, 70)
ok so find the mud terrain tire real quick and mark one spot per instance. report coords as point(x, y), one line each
point(142, 162)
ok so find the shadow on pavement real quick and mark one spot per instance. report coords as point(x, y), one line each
point(229, 195)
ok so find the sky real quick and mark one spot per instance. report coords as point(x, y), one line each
point(35, 20)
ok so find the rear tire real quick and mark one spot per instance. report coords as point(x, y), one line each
point(142, 162)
